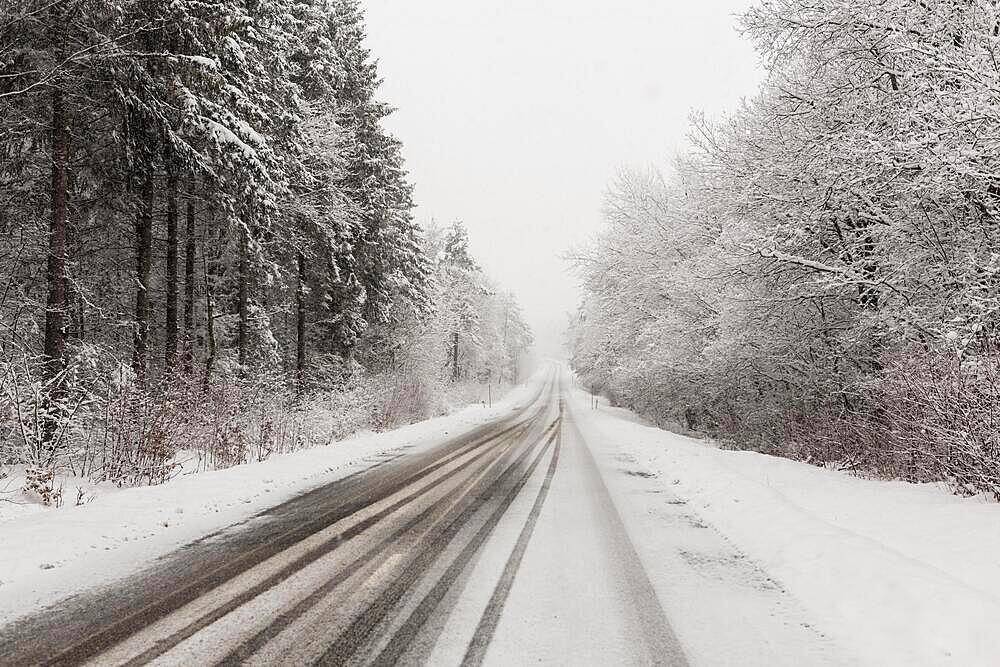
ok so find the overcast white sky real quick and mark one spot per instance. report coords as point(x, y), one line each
point(515, 115)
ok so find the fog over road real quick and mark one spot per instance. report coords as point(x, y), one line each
point(501, 545)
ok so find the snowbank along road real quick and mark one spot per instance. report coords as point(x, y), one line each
point(501, 545)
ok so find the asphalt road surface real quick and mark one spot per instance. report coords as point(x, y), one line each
point(499, 546)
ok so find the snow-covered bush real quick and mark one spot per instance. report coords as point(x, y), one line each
point(401, 398)
point(40, 415)
point(40, 482)
point(106, 428)
point(935, 416)
point(134, 439)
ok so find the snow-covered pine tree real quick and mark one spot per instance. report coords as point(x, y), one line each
point(211, 191)
point(385, 246)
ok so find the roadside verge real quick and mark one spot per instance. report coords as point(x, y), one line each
point(900, 574)
point(49, 555)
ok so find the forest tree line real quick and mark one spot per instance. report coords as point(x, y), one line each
point(819, 277)
point(201, 209)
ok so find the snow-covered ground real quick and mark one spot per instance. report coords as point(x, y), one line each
point(891, 573)
point(756, 560)
point(47, 554)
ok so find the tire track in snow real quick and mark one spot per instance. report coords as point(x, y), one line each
point(662, 643)
point(127, 610)
point(314, 554)
point(350, 641)
point(476, 651)
point(259, 640)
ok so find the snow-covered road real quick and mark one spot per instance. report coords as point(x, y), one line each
point(549, 533)
point(370, 569)
point(500, 545)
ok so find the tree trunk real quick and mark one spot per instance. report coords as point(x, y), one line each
point(454, 357)
point(55, 303)
point(170, 351)
point(81, 319)
point(76, 307)
point(189, 257)
point(300, 321)
point(143, 250)
point(209, 326)
point(243, 297)
point(55, 274)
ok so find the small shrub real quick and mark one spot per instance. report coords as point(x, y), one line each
point(40, 482)
point(927, 416)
